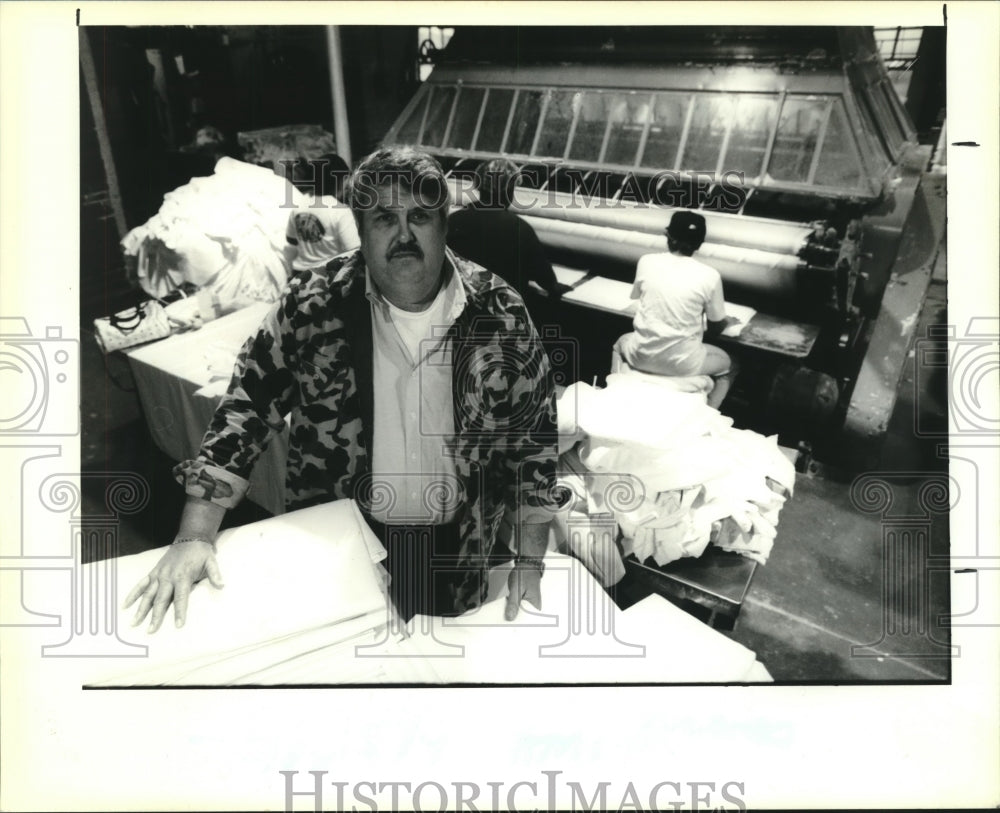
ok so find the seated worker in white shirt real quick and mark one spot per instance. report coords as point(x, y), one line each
point(677, 296)
point(324, 227)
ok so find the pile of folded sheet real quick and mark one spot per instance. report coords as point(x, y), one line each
point(224, 232)
point(673, 472)
point(292, 587)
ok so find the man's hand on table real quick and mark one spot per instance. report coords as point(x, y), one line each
point(560, 288)
point(184, 564)
point(524, 582)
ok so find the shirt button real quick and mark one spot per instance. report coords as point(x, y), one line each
point(413, 416)
point(413, 455)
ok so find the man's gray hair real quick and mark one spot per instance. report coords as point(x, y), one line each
point(403, 167)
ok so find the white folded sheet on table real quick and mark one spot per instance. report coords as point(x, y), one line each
point(579, 636)
point(742, 314)
point(304, 604)
point(309, 574)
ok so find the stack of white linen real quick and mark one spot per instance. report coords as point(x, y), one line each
point(224, 232)
point(295, 584)
point(685, 476)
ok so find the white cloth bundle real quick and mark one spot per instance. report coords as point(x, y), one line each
point(701, 479)
point(225, 232)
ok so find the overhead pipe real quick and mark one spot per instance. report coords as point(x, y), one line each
point(340, 129)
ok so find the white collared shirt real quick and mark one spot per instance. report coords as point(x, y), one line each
point(413, 408)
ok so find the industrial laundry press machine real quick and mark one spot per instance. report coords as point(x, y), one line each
point(790, 140)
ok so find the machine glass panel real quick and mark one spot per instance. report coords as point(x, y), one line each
point(874, 150)
point(753, 124)
point(711, 121)
point(886, 120)
point(795, 143)
point(664, 137)
point(838, 164)
point(790, 140)
point(627, 118)
point(591, 127)
point(559, 117)
point(494, 123)
point(463, 127)
point(438, 116)
point(527, 110)
point(409, 131)
point(891, 101)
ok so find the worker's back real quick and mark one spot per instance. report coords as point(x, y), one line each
point(501, 242)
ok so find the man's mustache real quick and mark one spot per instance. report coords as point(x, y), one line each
point(406, 248)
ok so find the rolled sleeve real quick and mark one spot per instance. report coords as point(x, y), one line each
point(212, 483)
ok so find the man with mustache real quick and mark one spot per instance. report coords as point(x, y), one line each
point(416, 384)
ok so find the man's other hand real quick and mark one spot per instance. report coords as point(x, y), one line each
point(559, 289)
point(524, 583)
point(184, 564)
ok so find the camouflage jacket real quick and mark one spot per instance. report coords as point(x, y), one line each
point(312, 359)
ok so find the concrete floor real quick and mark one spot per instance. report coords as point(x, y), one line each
point(837, 600)
point(822, 592)
point(829, 606)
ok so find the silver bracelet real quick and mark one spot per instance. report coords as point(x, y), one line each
point(180, 539)
point(535, 562)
